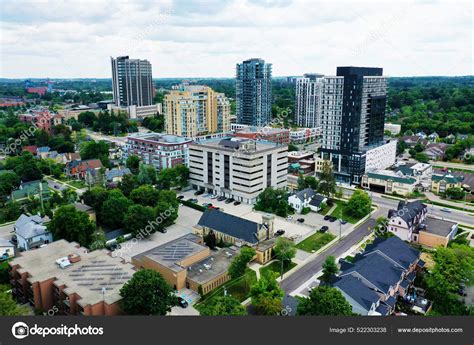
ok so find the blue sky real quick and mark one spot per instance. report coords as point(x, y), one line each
point(183, 38)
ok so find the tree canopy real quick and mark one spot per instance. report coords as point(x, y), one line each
point(324, 300)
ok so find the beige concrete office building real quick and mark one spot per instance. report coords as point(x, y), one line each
point(196, 110)
point(237, 168)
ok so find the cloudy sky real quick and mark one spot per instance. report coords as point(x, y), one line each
point(206, 38)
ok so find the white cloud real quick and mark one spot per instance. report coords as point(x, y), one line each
point(208, 37)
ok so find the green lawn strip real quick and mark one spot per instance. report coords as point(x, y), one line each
point(275, 266)
point(340, 212)
point(427, 201)
point(238, 288)
point(315, 242)
point(325, 210)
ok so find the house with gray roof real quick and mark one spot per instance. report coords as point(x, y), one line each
point(374, 280)
point(116, 174)
point(301, 199)
point(31, 232)
point(404, 220)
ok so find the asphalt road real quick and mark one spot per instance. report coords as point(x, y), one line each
point(309, 269)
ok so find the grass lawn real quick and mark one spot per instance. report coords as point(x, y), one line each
point(275, 266)
point(325, 210)
point(316, 241)
point(340, 212)
point(76, 183)
point(238, 288)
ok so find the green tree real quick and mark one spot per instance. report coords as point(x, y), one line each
point(147, 293)
point(138, 217)
point(9, 181)
point(133, 163)
point(329, 268)
point(25, 166)
point(324, 300)
point(422, 157)
point(210, 240)
point(8, 306)
point(239, 263)
point(72, 225)
point(145, 195)
point(327, 181)
point(96, 150)
point(95, 197)
point(128, 184)
point(223, 306)
point(266, 295)
point(455, 193)
point(114, 209)
point(292, 148)
point(284, 251)
point(147, 174)
point(273, 201)
point(359, 205)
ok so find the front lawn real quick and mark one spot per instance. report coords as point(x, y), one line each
point(340, 212)
point(275, 266)
point(238, 288)
point(315, 242)
point(76, 183)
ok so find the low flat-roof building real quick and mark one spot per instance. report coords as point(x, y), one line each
point(69, 277)
point(434, 232)
point(186, 263)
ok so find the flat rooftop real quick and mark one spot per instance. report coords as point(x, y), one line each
point(96, 271)
point(438, 227)
point(262, 130)
point(159, 138)
point(172, 253)
point(213, 266)
point(236, 144)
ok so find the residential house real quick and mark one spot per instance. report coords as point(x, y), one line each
point(316, 202)
point(87, 209)
point(43, 151)
point(31, 232)
point(79, 169)
point(441, 183)
point(7, 249)
point(404, 220)
point(374, 280)
point(32, 189)
point(33, 149)
point(64, 158)
point(410, 140)
point(239, 231)
point(433, 136)
point(436, 151)
point(116, 174)
point(421, 135)
point(450, 139)
point(301, 199)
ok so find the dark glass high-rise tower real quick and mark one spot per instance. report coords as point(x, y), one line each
point(132, 82)
point(254, 92)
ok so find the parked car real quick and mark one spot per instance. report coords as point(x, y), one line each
point(180, 197)
point(193, 200)
point(327, 217)
point(324, 229)
point(343, 221)
point(228, 201)
point(279, 232)
point(332, 219)
point(213, 196)
point(301, 220)
point(206, 204)
point(199, 192)
point(221, 198)
point(237, 203)
point(289, 218)
point(444, 209)
point(182, 302)
point(14, 240)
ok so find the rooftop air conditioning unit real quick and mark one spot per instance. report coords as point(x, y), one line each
point(63, 262)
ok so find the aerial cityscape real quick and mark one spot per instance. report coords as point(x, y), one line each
point(323, 190)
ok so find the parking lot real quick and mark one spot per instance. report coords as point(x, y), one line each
point(187, 218)
point(292, 227)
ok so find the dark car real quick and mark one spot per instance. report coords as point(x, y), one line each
point(343, 221)
point(237, 203)
point(332, 219)
point(324, 229)
point(279, 232)
point(182, 302)
point(199, 192)
point(228, 201)
point(221, 198)
point(14, 240)
point(301, 220)
point(180, 197)
point(327, 217)
point(193, 200)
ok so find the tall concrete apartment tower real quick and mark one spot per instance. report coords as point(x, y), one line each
point(196, 110)
point(132, 82)
point(352, 119)
point(254, 92)
point(308, 100)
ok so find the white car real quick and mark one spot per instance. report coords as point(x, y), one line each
point(213, 196)
point(289, 218)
